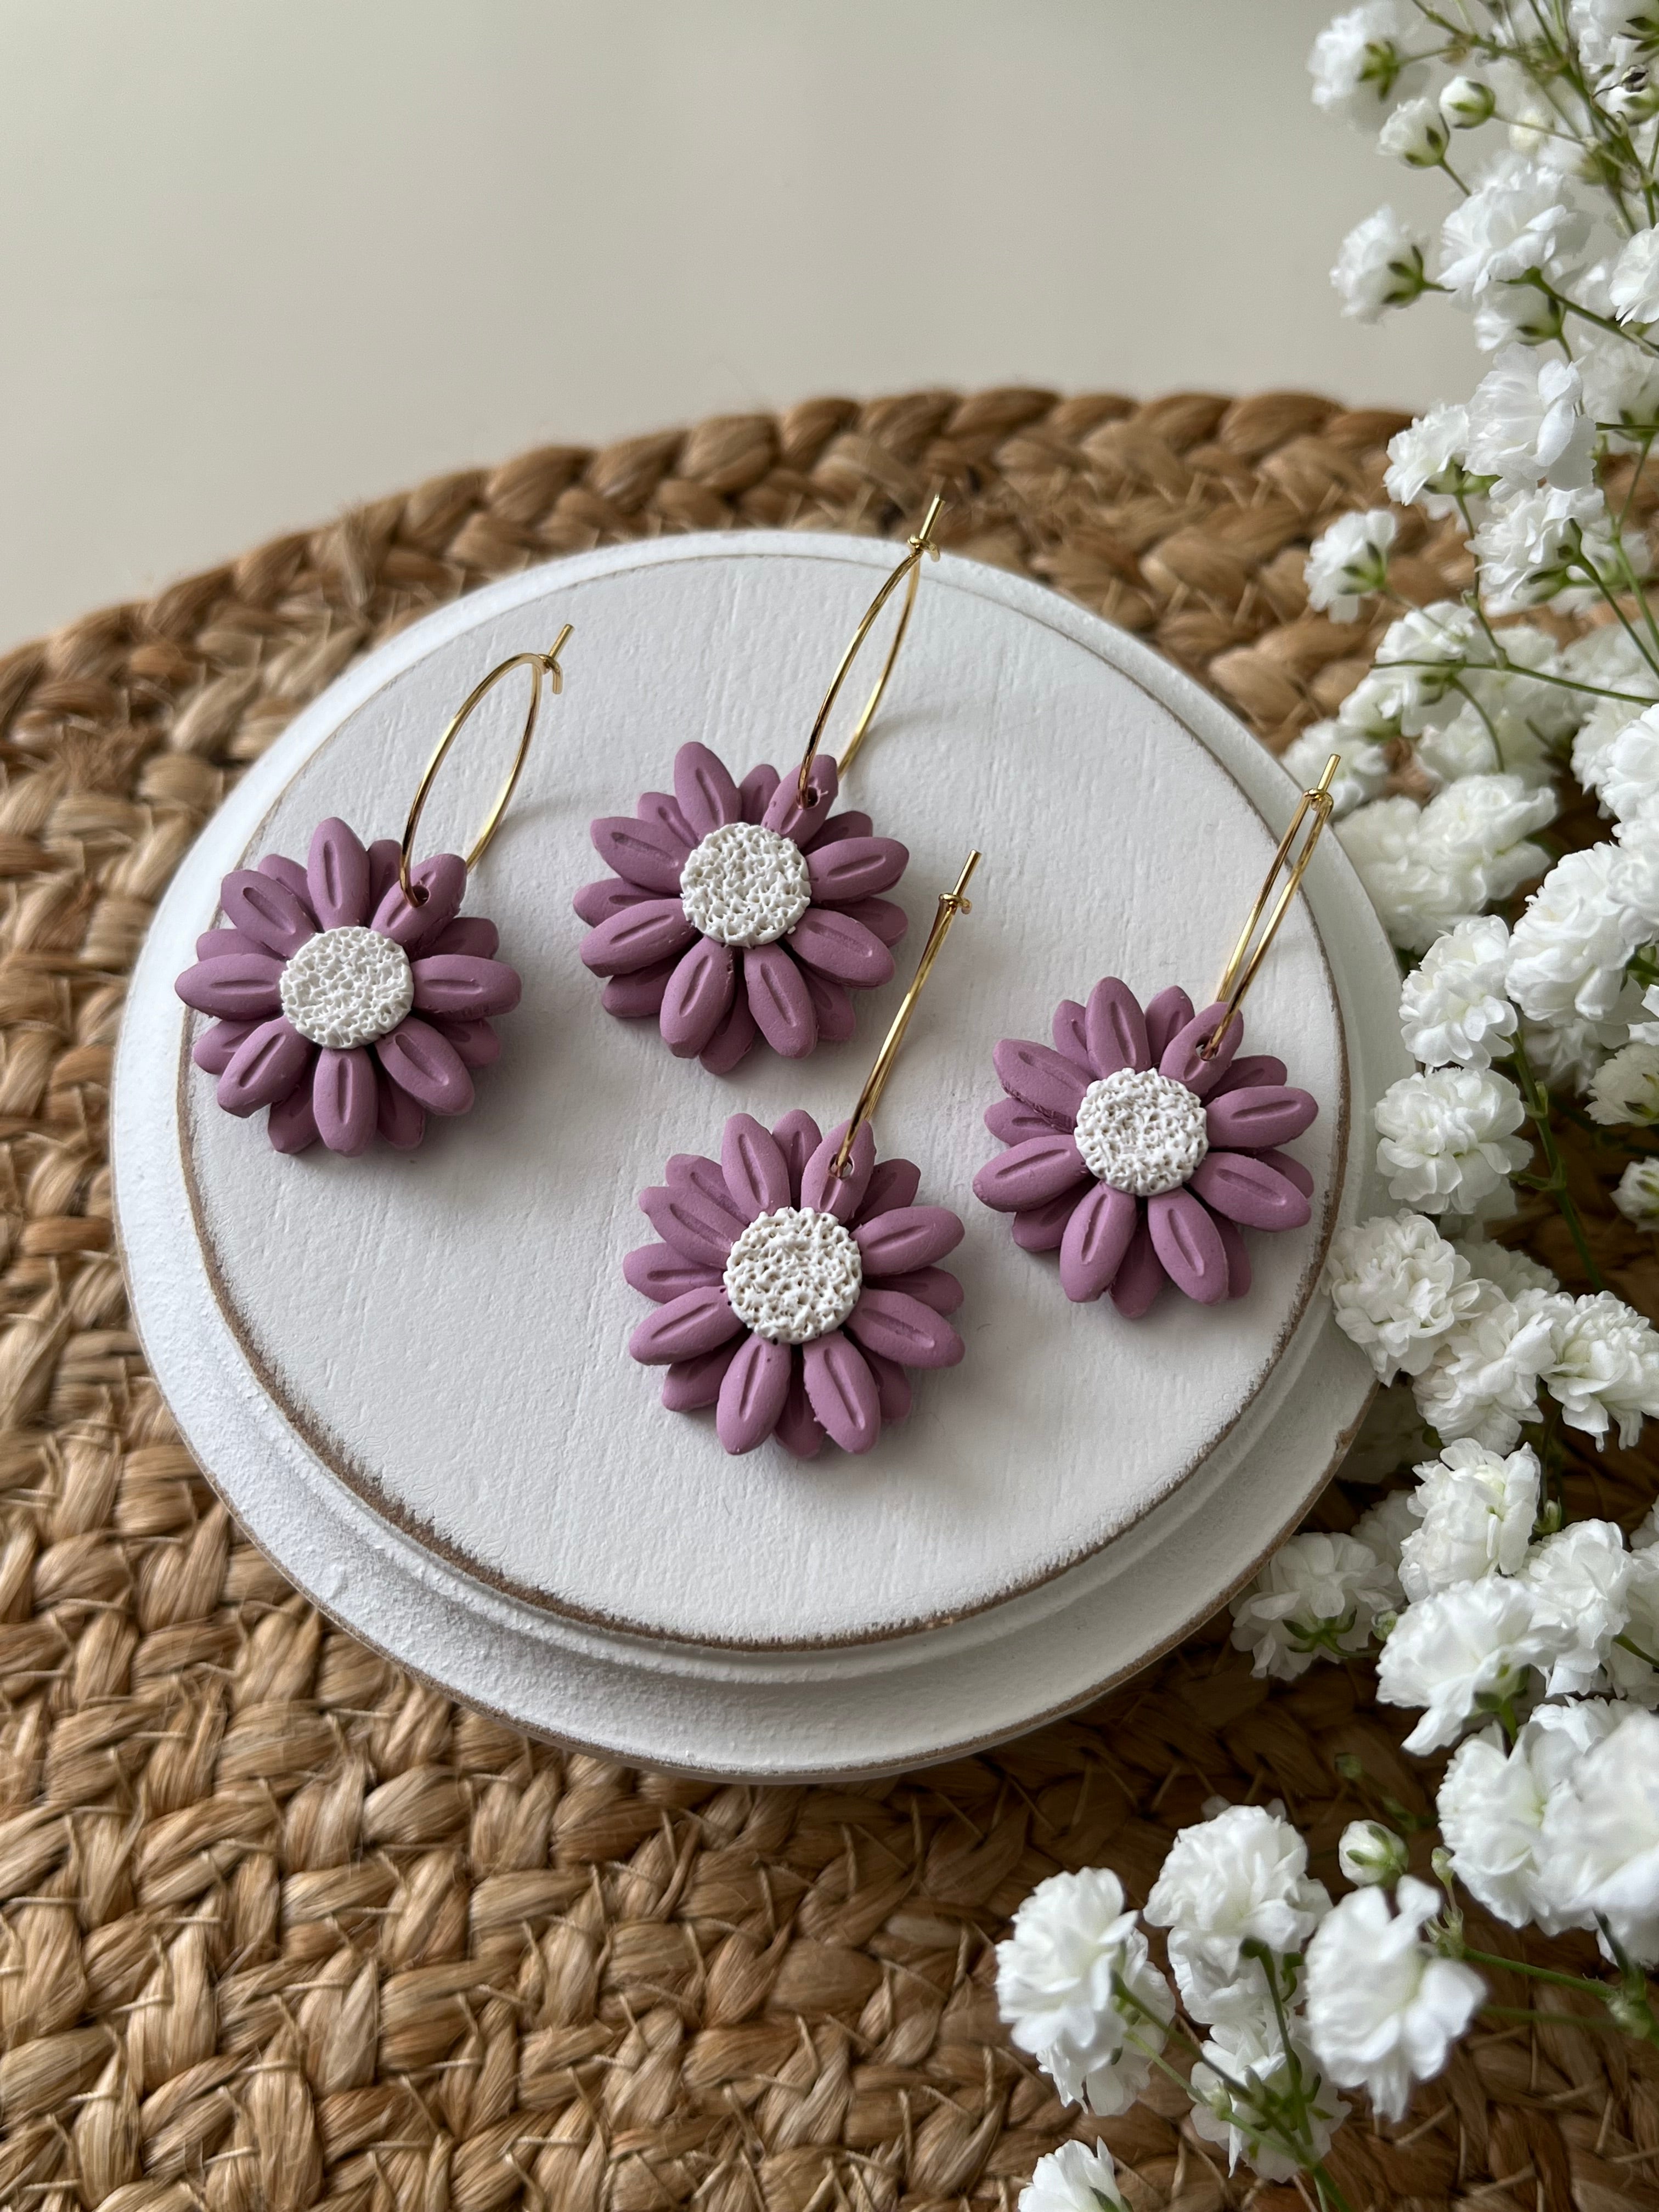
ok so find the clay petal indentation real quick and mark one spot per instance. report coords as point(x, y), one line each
point(934, 1287)
point(894, 1243)
point(1265, 1114)
point(1116, 1027)
point(384, 856)
point(1040, 1077)
point(1248, 1068)
point(344, 1100)
point(691, 1384)
point(695, 1182)
point(698, 995)
point(461, 985)
point(476, 1044)
point(1070, 1036)
point(903, 1328)
point(755, 791)
point(264, 1067)
point(659, 1273)
point(427, 1065)
point(1030, 1174)
point(695, 1321)
point(786, 814)
point(1141, 1277)
point(631, 997)
point(637, 936)
point(733, 1039)
point(215, 1048)
point(753, 1394)
point(854, 868)
point(852, 823)
point(1013, 1121)
point(470, 933)
point(753, 1167)
point(291, 1125)
point(414, 923)
point(596, 902)
point(892, 1183)
point(841, 1195)
point(1185, 1238)
point(798, 1138)
point(1100, 1229)
point(1247, 1190)
point(829, 940)
point(336, 875)
point(643, 852)
point(400, 1119)
point(292, 877)
point(780, 1000)
point(658, 806)
point(841, 1391)
point(1184, 1058)
point(1170, 1011)
point(237, 986)
point(706, 793)
point(681, 1223)
point(832, 1007)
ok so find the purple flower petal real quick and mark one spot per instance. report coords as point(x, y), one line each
point(1248, 1069)
point(841, 1391)
point(731, 1040)
point(1184, 1058)
point(470, 933)
point(1030, 1174)
point(215, 944)
point(415, 924)
point(1185, 1238)
point(754, 1394)
point(336, 876)
point(881, 917)
point(1168, 1012)
point(462, 986)
point(691, 1384)
point(596, 902)
point(797, 1137)
point(344, 1096)
point(903, 1328)
point(292, 877)
point(780, 1000)
point(1141, 1277)
point(291, 1125)
point(657, 806)
point(384, 855)
point(1263, 1115)
point(852, 823)
point(1291, 1170)
point(702, 784)
point(1042, 1227)
point(893, 1393)
point(266, 911)
point(934, 1287)
point(1248, 1190)
point(841, 1195)
point(683, 1224)
point(1039, 1077)
point(215, 1048)
point(638, 935)
point(698, 1183)
point(1116, 1027)
point(1013, 1121)
point(832, 941)
point(752, 1165)
point(1238, 1260)
point(400, 1119)
point(1099, 1232)
point(799, 1430)
point(756, 792)
point(427, 1065)
point(1070, 1041)
point(238, 986)
point(698, 995)
point(476, 1044)
point(659, 1272)
point(854, 868)
point(264, 1067)
point(644, 853)
point(894, 1243)
point(892, 1183)
point(832, 1007)
point(786, 814)
point(695, 1321)
point(630, 997)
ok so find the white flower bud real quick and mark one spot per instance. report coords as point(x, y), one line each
point(1415, 135)
point(1370, 1852)
point(1637, 1196)
point(1465, 103)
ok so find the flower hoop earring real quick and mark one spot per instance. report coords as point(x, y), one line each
point(350, 994)
point(745, 910)
point(796, 1280)
point(1142, 1145)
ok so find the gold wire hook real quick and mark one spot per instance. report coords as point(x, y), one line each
point(538, 664)
point(908, 573)
point(951, 903)
point(1239, 973)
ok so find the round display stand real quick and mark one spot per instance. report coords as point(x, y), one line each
point(408, 1374)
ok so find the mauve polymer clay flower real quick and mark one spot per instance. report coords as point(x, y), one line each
point(736, 912)
point(341, 1005)
point(1138, 1159)
point(790, 1300)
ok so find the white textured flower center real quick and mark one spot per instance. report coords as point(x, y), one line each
point(347, 987)
point(1141, 1132)
point(793, 1275)
point(745, 885)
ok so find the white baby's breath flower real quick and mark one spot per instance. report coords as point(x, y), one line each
point(1426, 461)
point(1383, 1529)
point(1527, 422)
point(1076, 2177)
point(1633, 287)
point(1379, 265)
point(1252, 2054)
point(1599, 1854)
point(1579, 1579)
point(1637, 1195)
point(1498, 740)
point(1592, 748)
point(1364, 771)
point(1467, 102)
point(1418, 898)
point(1519, 218)
point(1416, 134)
point(1482, 1382)
point(1358, 64)
point(1627, 771)
point(1384, 2010)
point(1632, 1659)
point(1350, 560)
point(1483, 824)
point(1239, 1877)
point(1476, 1510)
point(1455, 1006)
point(1463, 1653)
point(1621, 387)
point(1569, 950)
point(1448, 1138)
point(1634, 881)
point(1369, 1853)
point(1492, 1800)
point(1317, 1594)
point(1625, 1088)
point(1072, 1943)
point(1604, 1368)
point(1399, 1289)
point(1566, 1054)
point(1536, 546)
point(1512, 1270)
point(1424, 655)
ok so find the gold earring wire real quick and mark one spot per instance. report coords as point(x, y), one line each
point(1239, 973)
point(908, 573)
point(539, 665)
point(951, 903)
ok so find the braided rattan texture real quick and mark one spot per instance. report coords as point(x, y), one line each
point(283, 1928)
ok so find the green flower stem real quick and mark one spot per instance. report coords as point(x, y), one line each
point(1537, 1103)
point(1549, 2019)
point(1508, 667)
point(1581, 1982)
point(1629, 1644)
point(1588, 570)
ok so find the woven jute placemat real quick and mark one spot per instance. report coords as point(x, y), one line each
point(284, 1928)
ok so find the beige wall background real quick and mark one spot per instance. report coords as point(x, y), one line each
point(264, 258)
